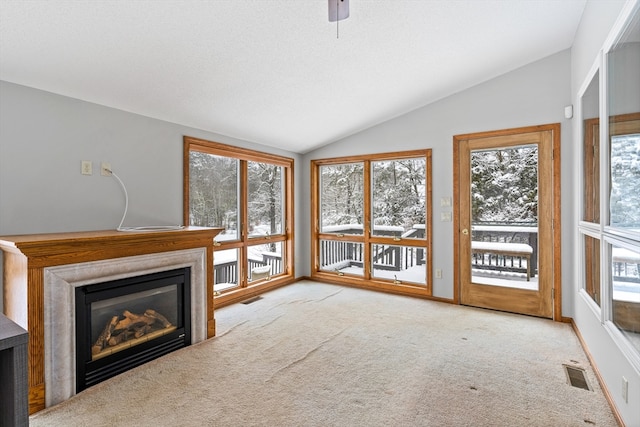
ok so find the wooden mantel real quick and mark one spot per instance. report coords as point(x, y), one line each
point(26, 257)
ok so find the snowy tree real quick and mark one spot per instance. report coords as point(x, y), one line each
point(265, 200)
point(265, 196)
point(342, 194)
point(625, 181)
point(213, 190)
point(399, 192)
point(214, 194)
point(504, 185)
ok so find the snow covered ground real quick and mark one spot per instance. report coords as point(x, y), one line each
point(415, 274)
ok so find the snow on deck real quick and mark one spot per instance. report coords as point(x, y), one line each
point(625, 255)
point(507, 228)
point(522, 248)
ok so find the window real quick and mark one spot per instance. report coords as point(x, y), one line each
point(247, 193)
point(342, 198)
point(624, 161)
point(623, 186)
point(625, 295)
point(591, 151)
point(372, 217)
point(592, 268)
point(610, 226)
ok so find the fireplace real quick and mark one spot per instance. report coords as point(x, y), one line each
point(42, 271)
point(60, 313)
point(124, 323)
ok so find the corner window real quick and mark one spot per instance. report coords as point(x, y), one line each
point(248, 193)
point(610, 226)
point(372, 220)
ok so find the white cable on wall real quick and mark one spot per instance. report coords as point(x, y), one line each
point(126, 207)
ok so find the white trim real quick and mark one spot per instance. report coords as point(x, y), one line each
point(626, 348)
point(593, 306)
point(620, 25)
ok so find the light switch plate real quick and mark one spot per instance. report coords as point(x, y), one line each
point(87, 168)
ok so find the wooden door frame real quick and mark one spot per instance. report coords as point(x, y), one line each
point(556, 225)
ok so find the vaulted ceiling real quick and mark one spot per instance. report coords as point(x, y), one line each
point(275, 72)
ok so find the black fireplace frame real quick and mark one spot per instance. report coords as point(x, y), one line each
point(90, 372)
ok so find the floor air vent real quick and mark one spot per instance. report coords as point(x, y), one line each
point(250, 300)
point(577, 377)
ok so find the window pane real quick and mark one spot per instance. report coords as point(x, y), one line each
point(625, 271)
point(625, 181)
point(341, 198)
point(591, 152)
point(504, 217)
point(399, 198)
point(504, 185)
point(225, 270)
point(403, 264)
point(265, 199)
point(264, 260)
point(592, 268)
point(623, 89)
point(341, 257)
point(213, 193)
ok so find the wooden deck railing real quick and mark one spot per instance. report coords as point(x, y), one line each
point(340, 254)
point(526, 234)
point(227, 272)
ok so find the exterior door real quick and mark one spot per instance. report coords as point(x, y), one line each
point(507, 185)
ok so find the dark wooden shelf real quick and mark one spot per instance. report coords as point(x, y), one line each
point(14, 387)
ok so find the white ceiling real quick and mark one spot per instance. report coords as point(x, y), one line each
point(273, 71)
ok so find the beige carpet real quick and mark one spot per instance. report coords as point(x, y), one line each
point(312, 354)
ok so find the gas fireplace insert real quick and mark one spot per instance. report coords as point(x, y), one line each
point(124, 323)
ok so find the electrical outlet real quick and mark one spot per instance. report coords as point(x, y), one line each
point(86, 169)
point(105, 169)
point(445, 216)
point(445, 202)
point(625, 390)
point(438, 273)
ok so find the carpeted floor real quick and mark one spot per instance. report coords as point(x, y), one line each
point(313, 354)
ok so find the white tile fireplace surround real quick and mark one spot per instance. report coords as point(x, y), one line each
point(59, 307)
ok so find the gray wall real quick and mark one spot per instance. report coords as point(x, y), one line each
point(596, 24)
point(532, 95)
point(43, 139)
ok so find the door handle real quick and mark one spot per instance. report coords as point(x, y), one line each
point(465, 231)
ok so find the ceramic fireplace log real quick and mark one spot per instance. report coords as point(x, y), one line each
point(159, 317)
point(104, 336)
point(132, 326)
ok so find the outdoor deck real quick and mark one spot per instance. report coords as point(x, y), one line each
point(502, 255)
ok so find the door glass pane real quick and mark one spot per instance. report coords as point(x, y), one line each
point(504, 216)
point(225, 270)
point(402, 264)
point(213, 193)
point(265, 199)
point(264, 260)
point(342, 257)
point(592, 268)
point(341, 198)
point(625, 271)
point(399, 198)
point(591, 152)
